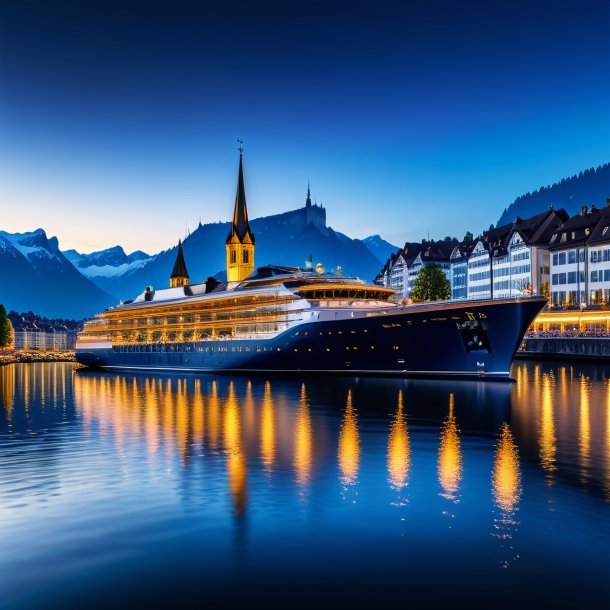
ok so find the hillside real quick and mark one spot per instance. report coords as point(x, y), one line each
point(282, 239)
point(591, 186)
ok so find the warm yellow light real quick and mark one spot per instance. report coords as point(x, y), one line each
point(303, 441)
point(268, 428)
point(349, 445)
point(506, 479)
point(547, 440)
point(450, 456)
point(399, 451)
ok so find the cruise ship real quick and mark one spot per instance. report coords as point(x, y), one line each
point(300, 320)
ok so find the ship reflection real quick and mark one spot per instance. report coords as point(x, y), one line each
point(506, 487)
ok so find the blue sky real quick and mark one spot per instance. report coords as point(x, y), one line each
point(119, 121)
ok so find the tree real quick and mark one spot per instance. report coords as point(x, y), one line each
point(6, 329)
point(431, 285)
point(469, 236)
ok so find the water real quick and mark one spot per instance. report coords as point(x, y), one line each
point(161, 491)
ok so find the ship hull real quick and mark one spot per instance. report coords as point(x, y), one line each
point(477, 338)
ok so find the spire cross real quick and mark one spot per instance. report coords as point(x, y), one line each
point(241, 146)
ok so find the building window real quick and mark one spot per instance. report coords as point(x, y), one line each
point(562, 258)
point(554, 279)
point(562, 278)
point(581, 255)
point(606, 275)
point(246, 257)
point(555, 259)
point(594, 276)
point(572, 276)
point(572, 256)
point(233, 257)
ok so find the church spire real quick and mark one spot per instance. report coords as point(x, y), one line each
point(179, 276)
point(240, 240)
point(308, 200)
point(240, 227)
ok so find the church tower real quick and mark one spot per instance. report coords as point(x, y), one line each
point(179, 276)
point(240, 241)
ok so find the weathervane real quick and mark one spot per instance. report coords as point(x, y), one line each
point(241, 146)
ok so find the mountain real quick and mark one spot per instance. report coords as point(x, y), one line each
point(591, 186)
point(380, 248)
point(282, 239)
point(36, 276)
point(107, 263)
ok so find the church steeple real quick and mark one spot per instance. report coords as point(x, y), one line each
point(240, 240)
point(179, 276)
point(308, 200)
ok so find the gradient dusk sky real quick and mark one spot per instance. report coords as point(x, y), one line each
point(119, 120)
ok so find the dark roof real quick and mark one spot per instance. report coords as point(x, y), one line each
point(536, 230)
point(578, 229)
point(601, 232)
point(240, 227)
point(437, 251)
point(465, 247)
point(180, 265)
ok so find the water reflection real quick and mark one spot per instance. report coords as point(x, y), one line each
point(399, 451)
point(303, 441)
point(236, 460)
point(547, 438)
point(450, 457)
point(506, 487)
point(349, 445)
point(198, 454)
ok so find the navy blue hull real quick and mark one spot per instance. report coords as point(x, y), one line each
point(474, 338)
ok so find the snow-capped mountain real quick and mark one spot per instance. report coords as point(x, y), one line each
point(112, 262)
point(36, 276)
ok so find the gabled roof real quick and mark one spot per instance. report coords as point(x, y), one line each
point(180, 266)
point(437, 251)
point(463, 249)
point(240, 227)
point(578, 229)
point(601, 232)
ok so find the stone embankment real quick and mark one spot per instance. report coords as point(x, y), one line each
point(13, 357)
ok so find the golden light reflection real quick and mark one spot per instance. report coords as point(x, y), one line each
point(236, 460)
point(584, 425)
point(349, 445)
point(303, 441)
point(7, 389)
point(548, 438)
point(198, 414)
point(506, 487)
point(450, 456)
point(506, 472)
point(399, 451)
point(268, 429)
point(213, 416)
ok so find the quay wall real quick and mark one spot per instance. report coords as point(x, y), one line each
point(586, 348)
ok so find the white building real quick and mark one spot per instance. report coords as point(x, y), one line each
point(516, 256)
point(580, 260)
point(56, 341)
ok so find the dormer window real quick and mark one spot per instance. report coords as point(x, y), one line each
point(587, 231)
point(553, 238)
point(605, 230)
point(563, 237)
point(573, 235)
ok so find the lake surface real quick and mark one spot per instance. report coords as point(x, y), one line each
point(169, 490)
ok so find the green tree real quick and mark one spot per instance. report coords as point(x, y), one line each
point(6, 329)
point(469, 236)
point(431, 285)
